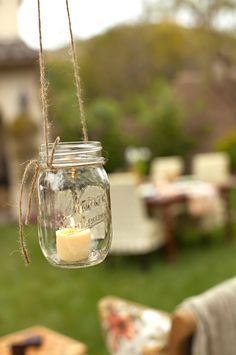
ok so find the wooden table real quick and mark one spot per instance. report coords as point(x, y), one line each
point(224, 191)
point(53, 343)
point(164, 205)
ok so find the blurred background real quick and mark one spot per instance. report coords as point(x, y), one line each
point(158, 81)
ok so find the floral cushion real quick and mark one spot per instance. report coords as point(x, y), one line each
point(132, 329)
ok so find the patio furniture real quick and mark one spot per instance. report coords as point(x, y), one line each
point(211, 167)
point(39, 340)
point(166, 168)
point(163, 207)
point(165, 201)
point(133, 231)
point(215, 169)
point(133, 329)
point(201, 325)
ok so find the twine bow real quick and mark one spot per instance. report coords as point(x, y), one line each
point(35, 164)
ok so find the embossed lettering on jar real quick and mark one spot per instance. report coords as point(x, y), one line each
point(74, 206)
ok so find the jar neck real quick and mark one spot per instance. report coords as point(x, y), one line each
point(70, 154)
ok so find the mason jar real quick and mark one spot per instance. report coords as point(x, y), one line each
point(74, 220)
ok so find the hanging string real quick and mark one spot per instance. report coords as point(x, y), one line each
point(43, 86)
point(77, 76)
point(49, 159)
point(35, 163)
point(22, 242)
point(32, 189)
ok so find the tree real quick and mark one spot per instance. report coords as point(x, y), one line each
point(204, 13)
point(162, 118)
point(64, 113)
point(227, 144)
point(167, 135)
point(128, 58)
point(104, 118)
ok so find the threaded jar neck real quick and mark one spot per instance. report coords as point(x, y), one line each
point(70, 154)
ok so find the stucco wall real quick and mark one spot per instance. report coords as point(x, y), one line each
point(14, 83)
point(8, 19)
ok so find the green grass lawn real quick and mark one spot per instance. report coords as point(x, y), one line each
point(66, 300)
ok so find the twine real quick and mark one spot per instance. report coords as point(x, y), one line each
point(43, 85)
point(49, 159)
point(22, 242)
point(74, 59)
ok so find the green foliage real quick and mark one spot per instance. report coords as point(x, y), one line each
point(124, 105)
point(168, 134)
point(154, 119)
point(127, 59)
point(228, 144)
point(64, 112)
point(163, 120)
point(104, 117)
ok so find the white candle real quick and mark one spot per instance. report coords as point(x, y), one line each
point(73, 244)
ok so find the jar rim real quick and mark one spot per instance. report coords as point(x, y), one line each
point(75, 153)
point(74, 144)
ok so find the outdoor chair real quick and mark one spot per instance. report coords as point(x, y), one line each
point(133, 231)
point(202, 325)
point(133, 329)
point(166, 168)
point(211, 167)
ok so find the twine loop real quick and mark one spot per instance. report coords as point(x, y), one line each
point(36, 167)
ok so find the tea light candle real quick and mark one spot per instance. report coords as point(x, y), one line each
point(73, 244)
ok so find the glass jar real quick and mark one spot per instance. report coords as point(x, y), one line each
point(74, 205)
